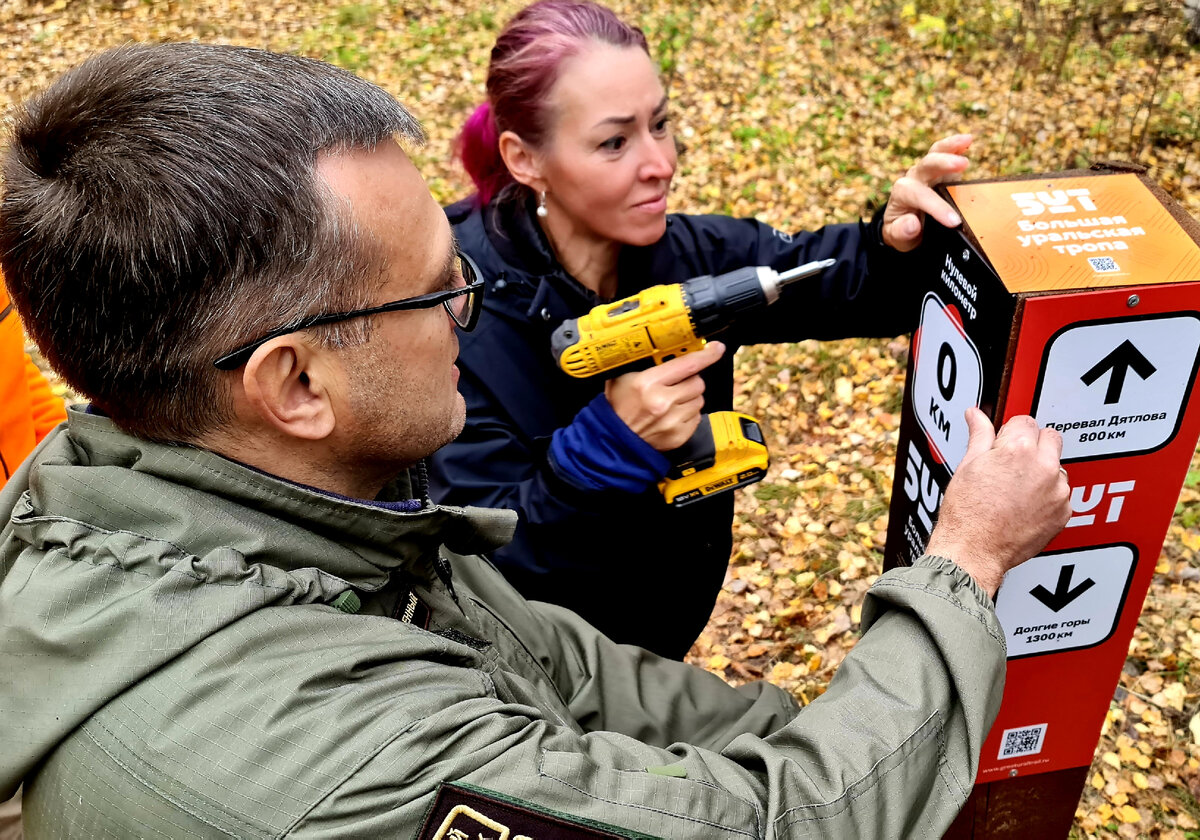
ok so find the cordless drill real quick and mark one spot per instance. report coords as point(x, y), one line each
point(663, 322)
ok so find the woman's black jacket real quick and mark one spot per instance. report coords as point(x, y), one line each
point(642, 572)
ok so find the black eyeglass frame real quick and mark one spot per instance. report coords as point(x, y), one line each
point(236, 358)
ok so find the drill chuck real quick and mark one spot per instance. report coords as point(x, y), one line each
point(716, 302)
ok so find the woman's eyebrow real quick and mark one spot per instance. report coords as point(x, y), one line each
point(615, 121)
point(626, 120)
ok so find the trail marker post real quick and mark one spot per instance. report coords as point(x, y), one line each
point(1074, 297)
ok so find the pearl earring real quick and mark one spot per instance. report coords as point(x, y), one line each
point(541, 209)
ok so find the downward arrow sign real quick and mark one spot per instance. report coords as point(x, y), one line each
point(1063, 594)
point(1119, 361)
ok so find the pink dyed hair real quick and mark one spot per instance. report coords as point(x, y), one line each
point(524, 66)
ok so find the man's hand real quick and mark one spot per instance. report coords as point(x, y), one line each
point(1008, 499)
point(913, 196)
point(662, 405)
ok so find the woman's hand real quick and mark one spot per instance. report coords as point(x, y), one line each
point(662, 405)
point(913, 196)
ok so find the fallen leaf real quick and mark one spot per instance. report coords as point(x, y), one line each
point(718, 662)
point(1173, 696)
point(843, 390)
point(1129, 814)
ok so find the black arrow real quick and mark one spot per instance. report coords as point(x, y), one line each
point(1126, 356)
point(1063, 594)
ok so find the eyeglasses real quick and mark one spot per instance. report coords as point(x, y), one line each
point(463, 304)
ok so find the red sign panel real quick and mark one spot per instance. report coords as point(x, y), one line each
point(1114, 371)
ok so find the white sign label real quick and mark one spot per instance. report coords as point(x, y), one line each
point(1064, 601)
point(1058, 201)
point(1118, 387)
point(947, 380)
point(1085, 502)
point(920, 486)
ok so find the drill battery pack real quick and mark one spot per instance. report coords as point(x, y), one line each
point(727, 451)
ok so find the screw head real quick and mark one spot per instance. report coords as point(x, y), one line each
point(966, 254)
point(1012, 772)
point(1133, 301)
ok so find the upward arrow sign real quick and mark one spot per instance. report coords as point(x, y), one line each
point(1119, 361)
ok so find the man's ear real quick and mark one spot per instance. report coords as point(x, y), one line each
point(288, 389)
point(522, 162)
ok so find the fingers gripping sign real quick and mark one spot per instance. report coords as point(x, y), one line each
point(913, 196)
point(1008, 499)
point(662, 405)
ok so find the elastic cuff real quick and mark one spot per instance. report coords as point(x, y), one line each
point(926, 587)
point(873, 230)
point(598, 451)
point(642, 452)
point(962, 579)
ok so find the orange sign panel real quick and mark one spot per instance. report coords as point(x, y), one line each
point(1059, 233)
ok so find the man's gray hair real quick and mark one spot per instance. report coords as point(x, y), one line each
point(162, 206)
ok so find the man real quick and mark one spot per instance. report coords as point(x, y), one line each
point(222, 616)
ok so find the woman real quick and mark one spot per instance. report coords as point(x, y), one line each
point(573, 158)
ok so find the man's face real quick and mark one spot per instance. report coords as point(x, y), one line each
point(399, 399)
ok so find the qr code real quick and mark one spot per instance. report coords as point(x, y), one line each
point(1103, 264)
point(1024, 741)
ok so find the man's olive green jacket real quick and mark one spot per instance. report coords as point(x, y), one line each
point(179, 658)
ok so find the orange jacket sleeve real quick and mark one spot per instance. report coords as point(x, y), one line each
point(28, 407)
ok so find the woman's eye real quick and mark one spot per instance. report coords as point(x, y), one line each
point(613, 144)
point(661, 125)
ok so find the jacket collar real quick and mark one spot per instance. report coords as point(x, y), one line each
point(551, 295)
point(512, 229)
point(356, 541)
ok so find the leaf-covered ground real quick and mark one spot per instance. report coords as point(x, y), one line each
point(802, 113)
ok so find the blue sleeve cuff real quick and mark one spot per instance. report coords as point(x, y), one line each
point(597, 451)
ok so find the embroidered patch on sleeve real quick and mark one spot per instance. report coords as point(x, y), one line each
point(466, 812)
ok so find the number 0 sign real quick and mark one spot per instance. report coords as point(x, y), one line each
point(947, 380)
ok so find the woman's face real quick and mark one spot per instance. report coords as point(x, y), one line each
point(611, 155)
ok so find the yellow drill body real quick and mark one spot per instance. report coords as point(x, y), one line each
point(661, 323)
point(652, 324)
